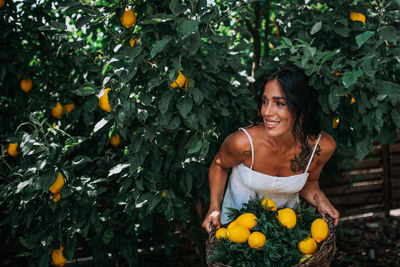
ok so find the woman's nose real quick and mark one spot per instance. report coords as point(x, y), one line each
point(269, 109)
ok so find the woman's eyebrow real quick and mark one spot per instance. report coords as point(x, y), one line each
point(278, 98)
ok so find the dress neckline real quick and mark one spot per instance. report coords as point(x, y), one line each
point(273, 176)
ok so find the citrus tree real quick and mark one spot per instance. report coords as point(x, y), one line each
point(113, 110)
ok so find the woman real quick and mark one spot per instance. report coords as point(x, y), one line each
point(281, 157)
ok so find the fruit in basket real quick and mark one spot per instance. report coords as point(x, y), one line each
point(238, 234)
point(221, 233)
point(307, 246)
point(319, 230)
point(304, 258)
point(257, 240)
point(269, 203)
point(287, 217)
point(231, 224)
point(247, 220)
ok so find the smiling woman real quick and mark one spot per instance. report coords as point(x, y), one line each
point(280, 157)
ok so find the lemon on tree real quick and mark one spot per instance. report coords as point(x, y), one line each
point(307, 246)
point(69, 107)
point(57, 111)
point(26, 84)
point(2, 2)
point(57, 186)
point(247, 220)
point(103, 101)
point(238, 234)
point(58, 257)
point(221, 233)
point(133, 41)
point(268, 203)
point(319, 230)
point(257, 240)
point(287, 217)
point(180, 80)
point(354, 16)
point(115, 140)
point(12, 149)
point(128, 19)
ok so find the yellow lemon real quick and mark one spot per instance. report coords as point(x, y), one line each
point(221, 233)
point(103, 101)
point(307, 246)
point(335, 123)
point(287, 217)
point(180, 80)
point(268, 203)
point(353, 100)
point(133, 41)
point(69, 107)
point(354, 16)
point(56, 197)
point(26, 85)
point(257, 240)
point(247, 220)
point(115, 140)
point(238, 234)
point(2, 2)
point(319, 230)
point(232, 224)
point(128, 19)
point(58, 184)
point(57, 111)
point(12, 149)
point(58, 257)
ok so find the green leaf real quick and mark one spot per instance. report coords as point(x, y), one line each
point(395, 117)
point(389, 33)
point(160, 46)
point(192, 43)
point(350, 77)
point(184, 106)
point(108, 235)
point(85, 90)
point(316, 28)
point(165, 101)
point(82, 21)
point(154, 202)
point(188, 27)
point(197, 95)
point(363, 37)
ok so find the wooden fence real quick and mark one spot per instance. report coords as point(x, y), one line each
point(372, 186)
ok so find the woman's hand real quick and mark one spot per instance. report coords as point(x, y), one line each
point(325, 207)
point(213, 218)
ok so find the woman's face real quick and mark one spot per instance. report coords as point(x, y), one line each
point(278, 119)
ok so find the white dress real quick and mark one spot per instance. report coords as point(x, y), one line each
point(244, 182)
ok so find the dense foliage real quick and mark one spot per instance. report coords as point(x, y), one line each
point(147, 194)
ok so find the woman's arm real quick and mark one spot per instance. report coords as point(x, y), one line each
point(231, 153)
point(311, 191)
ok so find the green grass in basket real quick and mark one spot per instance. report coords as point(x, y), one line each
point(281, 246)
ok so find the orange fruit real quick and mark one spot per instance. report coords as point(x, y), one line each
point(56, 197)
point(128, 19)
point(133, 41)
point(307, 246)
point(319, 230)
point(115, 140)
point(268, 203)
point(287, 217)
point(247, 220)
point(238, 234)
point(2, 2)
point(69, 107)
point(180, 80)
point(58, 257)
point(26, 85)
point(221, 233)
point(12, 149)
point(354, 16)
point(57, 111)
point(257, 240)
point(103, 101)
point(58, 184)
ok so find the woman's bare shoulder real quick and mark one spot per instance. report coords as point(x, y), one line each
point(327, 145)
point(237, 142)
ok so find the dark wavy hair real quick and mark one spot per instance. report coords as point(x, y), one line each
point(302, 102)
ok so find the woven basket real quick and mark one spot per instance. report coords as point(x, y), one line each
point(320, 259)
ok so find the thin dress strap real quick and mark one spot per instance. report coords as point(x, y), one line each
point(251, 144)
point(312, 155)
